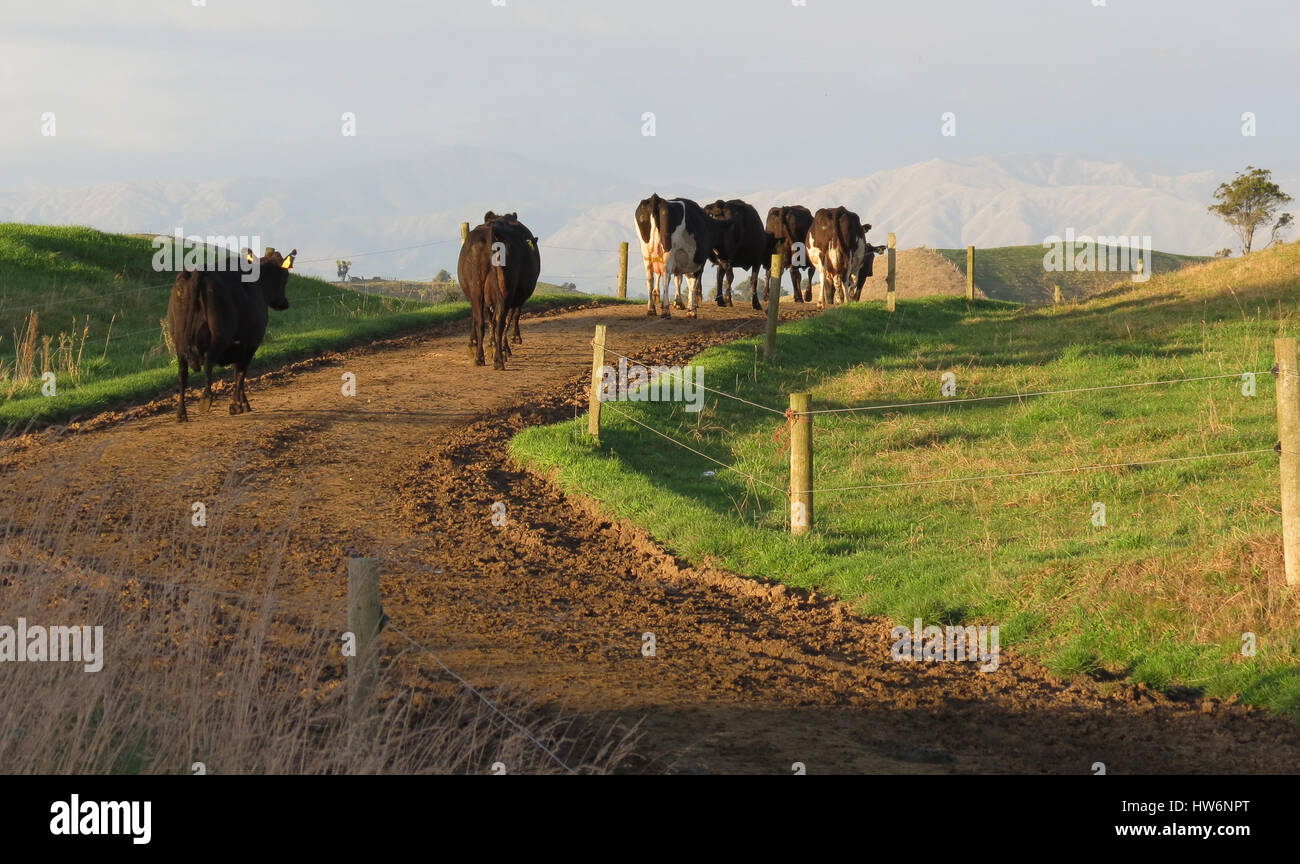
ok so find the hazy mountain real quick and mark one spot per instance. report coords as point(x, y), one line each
point(420, 201)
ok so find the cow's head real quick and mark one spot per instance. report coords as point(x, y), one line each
point(274, 276)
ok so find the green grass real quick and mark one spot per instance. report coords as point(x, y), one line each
point(1188, 561)
point(98, 294)
point(1016, 273)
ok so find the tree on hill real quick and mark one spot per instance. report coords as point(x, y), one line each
point(1251, 201)
point(443, 276)
point(343, 269)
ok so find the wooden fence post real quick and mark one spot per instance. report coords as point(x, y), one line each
point(889, 273)
point(1056, 295)
point(593, 402)
point(970, 272)
point(801, 465)
point(622, 271)
point(464, 232)
point(773, 304)
point(365, 619)
point(1288, 433)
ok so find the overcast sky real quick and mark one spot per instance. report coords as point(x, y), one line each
point(756, 93)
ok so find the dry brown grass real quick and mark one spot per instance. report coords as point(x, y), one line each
point(919, 272)
point(243, 681)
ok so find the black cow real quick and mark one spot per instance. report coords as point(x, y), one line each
point(216, 317)
point(676, 241)
point(739, 241)
point(529, 284)
point(836, 247)
point(868, 254)
point(789, 227)
point(497, 270)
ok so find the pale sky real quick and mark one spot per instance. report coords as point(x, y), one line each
point(753, 93)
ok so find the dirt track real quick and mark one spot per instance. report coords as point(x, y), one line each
point(749, 676)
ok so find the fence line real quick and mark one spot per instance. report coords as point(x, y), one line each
point(724, 465)
point(678, 376)
point(1027, 395)
point(1073, 469)
point(486, 701)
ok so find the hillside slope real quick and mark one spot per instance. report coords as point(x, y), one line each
point(986, 512)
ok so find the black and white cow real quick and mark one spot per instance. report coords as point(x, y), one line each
point(676, 241)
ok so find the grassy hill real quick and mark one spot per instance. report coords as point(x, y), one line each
point(89, 307)
point(1016, 273)
point(959, 525)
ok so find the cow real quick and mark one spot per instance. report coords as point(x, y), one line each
point(529, 284)
point(676, 241)
point(836, 247)
point(789, 229)
point(218, 318)
point(867, 253)
point(740, 240)
point(498, 268)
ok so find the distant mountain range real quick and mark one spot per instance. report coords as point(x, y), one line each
point(419, 202)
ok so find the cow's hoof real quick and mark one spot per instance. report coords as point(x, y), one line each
point(650, 312)
point(690, 313)
point(518, 340)
point(473, 355)
point(235, 409)
point(181, 418)
point(667, 313)
point(497, 364)
point(479, 361)
point(757, 306)
point(205, 404)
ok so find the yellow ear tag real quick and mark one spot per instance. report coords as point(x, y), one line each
point(288, 262)
point(250, 257)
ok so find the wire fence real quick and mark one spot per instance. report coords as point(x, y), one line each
point(792, 415)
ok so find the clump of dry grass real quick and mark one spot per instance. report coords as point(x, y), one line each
point(243, 681)
point(918, 272)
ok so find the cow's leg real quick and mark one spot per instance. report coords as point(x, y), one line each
point(476, 332)
point(514, 320)
point(693, 291)
point(500, 348)
point(821, 292)
point(753, 286)
point(841, 288)
point(727, 280)
point(665, 311)
point(237, 394)
point(206, 403)
point(181, 416)
point(794, 277)
point(677, 292)
point(717, 291)
point(651, 289)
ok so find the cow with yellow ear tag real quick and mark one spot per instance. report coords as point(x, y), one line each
point(220, 318)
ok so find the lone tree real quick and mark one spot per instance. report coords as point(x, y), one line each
point(343, 269)
point(443, 277)
point(1251, 201)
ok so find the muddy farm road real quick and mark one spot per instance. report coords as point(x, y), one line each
point(749, 677)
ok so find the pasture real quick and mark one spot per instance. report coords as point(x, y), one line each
point(1188, 559)
point(88, 306)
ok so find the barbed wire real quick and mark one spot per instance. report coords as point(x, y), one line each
point(679, 377)
point(486, 701)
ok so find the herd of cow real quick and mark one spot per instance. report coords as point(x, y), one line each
point(220, 318)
